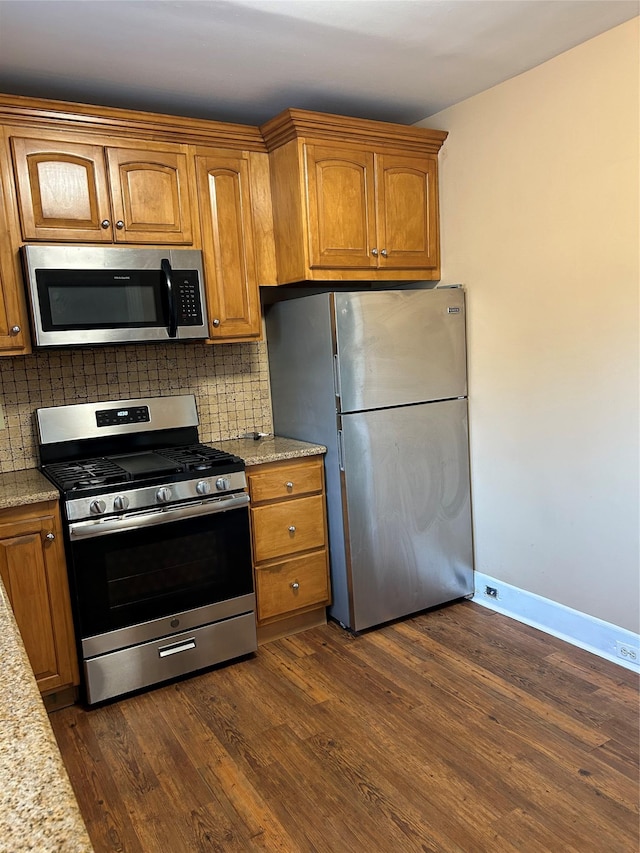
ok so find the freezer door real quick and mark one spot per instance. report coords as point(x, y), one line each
point(399, 346)
point(408, 511)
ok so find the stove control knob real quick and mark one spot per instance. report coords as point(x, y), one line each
point(97, 507)
point(203, 488)
point(163, 495)
point(120, 503)
point(223, 484)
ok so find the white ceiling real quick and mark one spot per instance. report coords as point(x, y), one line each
point(246, 60)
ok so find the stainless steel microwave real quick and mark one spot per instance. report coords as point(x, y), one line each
point(93, 295)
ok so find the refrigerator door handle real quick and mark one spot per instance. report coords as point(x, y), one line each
point(340, 451)
point(336, 377)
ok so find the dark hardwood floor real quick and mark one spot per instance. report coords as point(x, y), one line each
point(457, 730)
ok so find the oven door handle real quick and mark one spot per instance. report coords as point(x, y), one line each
point(106, 526)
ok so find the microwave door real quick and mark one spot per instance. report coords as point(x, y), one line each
point(165, 266)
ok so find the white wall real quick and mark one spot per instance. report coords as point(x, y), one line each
point(539, 201)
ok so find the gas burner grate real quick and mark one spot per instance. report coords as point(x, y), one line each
point(86, 472)
point(197, 457)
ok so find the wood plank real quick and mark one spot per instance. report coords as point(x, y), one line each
point(457, 730)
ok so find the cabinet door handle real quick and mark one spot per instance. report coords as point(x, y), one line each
point(105, 223)
point(384, 253)
point(295, 585)
point(120, 224)
point(289, 485)
point(50, 536)
point(374, 252)
point(215, 323)
point(15, 330)
point(292, 529)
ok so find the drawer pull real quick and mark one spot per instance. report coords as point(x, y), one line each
point(292, 529)
point(289, 485)
point(295, 585)
point(176, 648)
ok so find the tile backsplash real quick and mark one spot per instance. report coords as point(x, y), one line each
point(230, 383)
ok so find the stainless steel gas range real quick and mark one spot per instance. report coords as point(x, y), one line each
point(156, 537)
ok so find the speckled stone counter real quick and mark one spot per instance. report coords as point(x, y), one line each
point(38, 809)
point(269, 449)
point(18, 488)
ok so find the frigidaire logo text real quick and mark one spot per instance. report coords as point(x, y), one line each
point(122, 277)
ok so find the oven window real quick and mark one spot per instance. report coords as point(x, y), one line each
point(121, 579)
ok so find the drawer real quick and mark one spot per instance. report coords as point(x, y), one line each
point(284, 528)
point(276, 590)
point(285, 481)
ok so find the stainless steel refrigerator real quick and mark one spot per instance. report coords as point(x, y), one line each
point(379, 377)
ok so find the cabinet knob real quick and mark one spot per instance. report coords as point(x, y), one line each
point(15, 330)
point(292, 529)
point(295, 585)
point(50, 536)
point(120, 224)
point(105, 223)
point(384, 253)
point(289, 485)
point(374, 252)
point(215, 323)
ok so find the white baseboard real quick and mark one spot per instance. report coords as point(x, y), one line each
point(596, 636)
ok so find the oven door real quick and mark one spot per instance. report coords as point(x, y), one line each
point(138, 576)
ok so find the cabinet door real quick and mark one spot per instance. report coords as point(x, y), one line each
point(33, 572)
point(62, 190)
point(407, 208)
point(224, 199)
point(14, 337)
point(340, 207)
point(150, 196)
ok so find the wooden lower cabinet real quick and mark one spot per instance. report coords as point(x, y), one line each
point(34, 574)
point(289, 540)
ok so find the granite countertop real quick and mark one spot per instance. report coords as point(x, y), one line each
point(271, 448)
point(38, 809)
point(18, 488)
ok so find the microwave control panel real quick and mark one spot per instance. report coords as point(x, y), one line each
point(188, 298)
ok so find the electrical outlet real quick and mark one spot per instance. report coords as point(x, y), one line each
point(491, 591)
point(627, 652)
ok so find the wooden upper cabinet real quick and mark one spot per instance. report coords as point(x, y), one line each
point(353, 199)
point(407, 208)
point(225, 205)
point(150, 196)
point(74, 191)
point(62, 190)
point(14, 332)
point(340, 203)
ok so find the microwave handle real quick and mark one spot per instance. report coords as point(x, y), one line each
point(165, 266)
